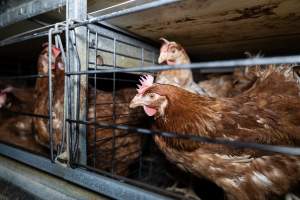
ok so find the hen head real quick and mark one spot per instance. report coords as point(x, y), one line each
point(172, 53)
point(55, 62)
point(151, 101)
point(4, 96)
point(156, 98)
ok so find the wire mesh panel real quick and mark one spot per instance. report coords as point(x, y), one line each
point(109, 96)
point(25, 111)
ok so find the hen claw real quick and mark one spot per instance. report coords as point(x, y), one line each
point(187, 192)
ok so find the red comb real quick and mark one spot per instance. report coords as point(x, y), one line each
point(146, 82)
point(55, 51)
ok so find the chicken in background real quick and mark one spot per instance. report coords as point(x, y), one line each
point(12, 101)
point(231, 85)
point(41, 100)
point(173, 53)
point(118, 147)
point(267, 113)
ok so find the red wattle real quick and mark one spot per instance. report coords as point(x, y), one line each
point(149, 111)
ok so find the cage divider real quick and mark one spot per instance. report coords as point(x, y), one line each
point(50, 93)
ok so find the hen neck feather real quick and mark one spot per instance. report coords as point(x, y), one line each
point(186, 113)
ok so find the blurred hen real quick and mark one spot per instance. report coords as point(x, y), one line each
point(107, 149)
point(172, 53)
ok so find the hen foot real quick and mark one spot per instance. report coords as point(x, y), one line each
point(187, 192)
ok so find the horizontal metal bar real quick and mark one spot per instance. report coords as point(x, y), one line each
point(23, 77)
point(30, 114)
point(27, 36)
point(95, 182)
point(202, 65)
point(132, 10)
point(24, 10)
point(105, 67)
point(136, 183)
point(43, 31)
point(237, 144)
point(98, 12)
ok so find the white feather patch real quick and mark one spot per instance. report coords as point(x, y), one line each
point(261, 179)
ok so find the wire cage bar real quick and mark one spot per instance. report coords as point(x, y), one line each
point(100, 143)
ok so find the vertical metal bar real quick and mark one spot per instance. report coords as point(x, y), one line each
point(63, 136)
point(142, 56)
point(77, 10)
point(141, 137)
point(114, 112)
point(95, 99)
point(67, 95)
point(50, 92)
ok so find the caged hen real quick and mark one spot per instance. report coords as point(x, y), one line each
point(105, 146)
point(267, 113)
point(41, 100)
point(13, 100)
point(172, 53)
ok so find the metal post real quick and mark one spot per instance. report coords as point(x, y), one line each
point(77, 10)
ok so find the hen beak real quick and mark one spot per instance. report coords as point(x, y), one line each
point(136, 102)
point(162, 58)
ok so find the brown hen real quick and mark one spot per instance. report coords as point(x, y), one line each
point(267, 113)
point(41, 100)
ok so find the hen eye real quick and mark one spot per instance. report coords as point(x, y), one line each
point(151, 96)
point(173, 50)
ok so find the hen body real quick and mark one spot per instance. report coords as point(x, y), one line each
point(41, 100)
point(268, 113)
